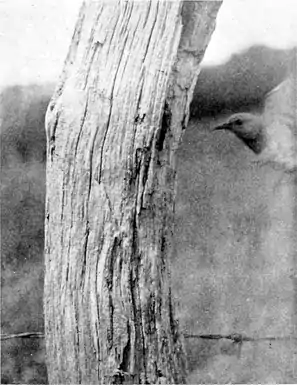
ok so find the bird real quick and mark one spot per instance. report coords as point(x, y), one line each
point(272, 135)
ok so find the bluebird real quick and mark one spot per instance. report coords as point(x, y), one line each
point(271, 135)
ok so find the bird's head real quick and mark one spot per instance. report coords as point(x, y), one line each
point(244, 125)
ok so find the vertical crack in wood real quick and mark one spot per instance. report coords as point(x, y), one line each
point(82, 123)
point(164, 128)
point(152, 29)
point(109, 115)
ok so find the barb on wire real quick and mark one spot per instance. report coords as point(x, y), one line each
point(22, 335)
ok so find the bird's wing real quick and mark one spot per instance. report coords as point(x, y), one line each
point(281, 103)
point(280, 120)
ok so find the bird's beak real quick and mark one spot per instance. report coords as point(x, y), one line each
point(223, 126)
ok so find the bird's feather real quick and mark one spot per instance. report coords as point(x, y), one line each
point(280, 121)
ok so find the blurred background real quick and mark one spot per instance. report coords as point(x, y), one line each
point(232, 266)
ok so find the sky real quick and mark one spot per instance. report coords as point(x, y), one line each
point(35, 34)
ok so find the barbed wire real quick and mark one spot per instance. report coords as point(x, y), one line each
point(239, 338)
point(235, 337)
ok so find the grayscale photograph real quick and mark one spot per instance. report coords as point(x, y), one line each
point(148, 191)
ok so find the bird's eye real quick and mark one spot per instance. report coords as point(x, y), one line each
point(238, 122)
